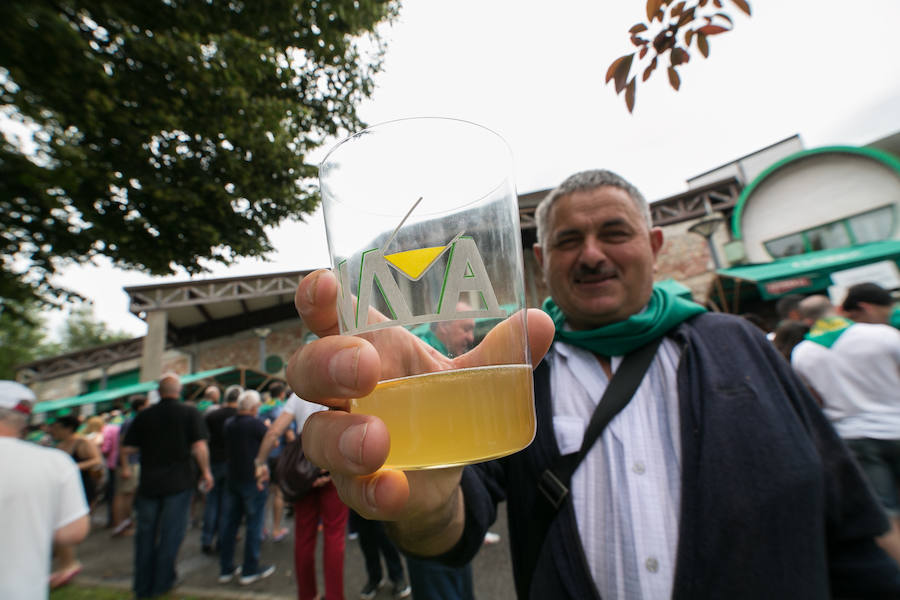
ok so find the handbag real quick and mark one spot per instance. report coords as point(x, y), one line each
point(294, 473)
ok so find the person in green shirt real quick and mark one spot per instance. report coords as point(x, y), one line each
point(210, 399)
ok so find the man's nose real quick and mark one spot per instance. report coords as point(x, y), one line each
point(592, 253)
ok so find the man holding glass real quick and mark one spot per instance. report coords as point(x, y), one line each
point(720, 478)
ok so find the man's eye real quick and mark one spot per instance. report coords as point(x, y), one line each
point(567, 242)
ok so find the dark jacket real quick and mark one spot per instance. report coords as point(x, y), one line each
point(772, 505)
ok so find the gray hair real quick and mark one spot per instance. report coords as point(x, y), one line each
point(249, 400)
point(232, 393)
point(816, 307)
point(13, 418)
point(582, 182)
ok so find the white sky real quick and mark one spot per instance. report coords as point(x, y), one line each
point(533, 72)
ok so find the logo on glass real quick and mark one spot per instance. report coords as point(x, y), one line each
point(464, 272)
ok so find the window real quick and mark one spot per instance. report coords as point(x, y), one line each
point(873, 225)
point(832, 235)
point(869, 226)
point(788, 245)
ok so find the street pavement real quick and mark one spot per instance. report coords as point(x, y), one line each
point(108, 562)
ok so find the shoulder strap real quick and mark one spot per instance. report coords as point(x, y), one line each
point(554, 482)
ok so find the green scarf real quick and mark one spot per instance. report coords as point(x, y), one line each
point(826, 331)
point(664, 312)
point(433, 341)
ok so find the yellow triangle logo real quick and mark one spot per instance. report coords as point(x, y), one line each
point(413, 263)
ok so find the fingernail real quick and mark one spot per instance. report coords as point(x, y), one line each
point(370, 492)
point(351, 442)
point(311, 288)
point(342, 367)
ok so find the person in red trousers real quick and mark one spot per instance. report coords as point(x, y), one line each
point(322, 504)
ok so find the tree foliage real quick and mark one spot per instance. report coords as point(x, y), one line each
point(678, 25)
point(21, 336)
point(169, 133)
point(83, 330)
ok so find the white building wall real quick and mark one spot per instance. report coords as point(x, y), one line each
point(747, 168)
point(818, 189)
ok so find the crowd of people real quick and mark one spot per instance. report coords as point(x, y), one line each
point(207, 462)
point(735, 465)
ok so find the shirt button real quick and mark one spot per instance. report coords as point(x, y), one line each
point(639, 468)
point(652, 565)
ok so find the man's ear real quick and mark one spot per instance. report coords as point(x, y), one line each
point(656, 240)
point(538, 254)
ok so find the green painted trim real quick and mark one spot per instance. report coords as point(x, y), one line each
point(362, 262)
point(446, 274)
point(888, 160)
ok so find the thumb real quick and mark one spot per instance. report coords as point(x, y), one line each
point(507, 342)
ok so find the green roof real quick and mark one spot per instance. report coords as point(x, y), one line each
point(106, 395)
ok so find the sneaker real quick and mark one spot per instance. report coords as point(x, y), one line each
point(401, 589)
point(121, 527)
point(262, 573)
point(371, 589)
point(491, 538)
point(227, 577)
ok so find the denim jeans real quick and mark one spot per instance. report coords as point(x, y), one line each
point(212, 512)
point(161, 525)
point(432, 580)
point(242, 499)
point(373, 541)
point(880, 462)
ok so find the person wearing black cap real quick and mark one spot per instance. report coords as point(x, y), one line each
point(42, 501)
point(870, 303)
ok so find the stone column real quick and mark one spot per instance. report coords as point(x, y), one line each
point(154, 345)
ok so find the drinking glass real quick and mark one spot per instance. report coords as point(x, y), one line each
point(423, 232)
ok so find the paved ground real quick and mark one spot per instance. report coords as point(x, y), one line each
point(108, 561)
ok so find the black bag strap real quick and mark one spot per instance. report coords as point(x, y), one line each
point(554, 482)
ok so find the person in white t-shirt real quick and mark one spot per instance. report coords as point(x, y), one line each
point(322, 503)
point(41, 501)
point(854, 368)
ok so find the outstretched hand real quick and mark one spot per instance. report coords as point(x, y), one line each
point(353, 447)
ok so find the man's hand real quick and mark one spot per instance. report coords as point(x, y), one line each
point(208, 481)
point(426, 506)
point(262, 476)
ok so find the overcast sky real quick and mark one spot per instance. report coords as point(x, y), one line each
point(533, 72)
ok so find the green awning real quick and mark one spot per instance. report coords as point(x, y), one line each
point(107, 395)
point(810, 272)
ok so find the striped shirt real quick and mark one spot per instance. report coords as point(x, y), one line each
point(627, 491)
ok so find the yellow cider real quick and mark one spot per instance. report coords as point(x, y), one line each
point(454, 417)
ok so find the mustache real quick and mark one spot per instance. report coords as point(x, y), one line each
point(601, 270)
